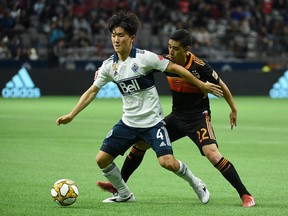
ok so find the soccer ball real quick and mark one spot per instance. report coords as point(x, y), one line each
point(64, 192)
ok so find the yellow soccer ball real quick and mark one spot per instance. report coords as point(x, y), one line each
point(64, 192)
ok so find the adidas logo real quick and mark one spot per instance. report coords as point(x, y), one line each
point(21, 86)
point(280, 88)
point(110, 90)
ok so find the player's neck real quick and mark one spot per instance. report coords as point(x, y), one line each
point(122, 56)
point(182, 62)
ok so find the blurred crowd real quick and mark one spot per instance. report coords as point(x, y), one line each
point(76, 29)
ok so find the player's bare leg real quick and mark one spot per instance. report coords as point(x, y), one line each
point(229, 172)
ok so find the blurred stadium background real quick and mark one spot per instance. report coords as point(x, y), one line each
point(63, 42)
point(53, 47)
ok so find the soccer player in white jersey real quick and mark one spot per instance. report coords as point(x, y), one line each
point(131, 69)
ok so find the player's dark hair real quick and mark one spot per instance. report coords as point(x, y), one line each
point(126, 20)
point(183, 37)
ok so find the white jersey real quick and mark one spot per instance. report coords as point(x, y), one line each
point(134, 78)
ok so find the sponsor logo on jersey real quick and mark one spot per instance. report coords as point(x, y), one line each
point(135, 84)
point(21, 86)
point(129, 87)
point(196, 74)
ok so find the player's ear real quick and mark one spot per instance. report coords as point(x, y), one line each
point(133, 37)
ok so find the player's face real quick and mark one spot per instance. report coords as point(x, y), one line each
point(177, 53)
point(122, 41)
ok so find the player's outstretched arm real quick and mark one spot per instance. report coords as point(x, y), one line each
point(83, 102)
point(205, 87)
point(229, 99)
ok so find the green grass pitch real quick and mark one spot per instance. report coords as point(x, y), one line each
point(34, 153)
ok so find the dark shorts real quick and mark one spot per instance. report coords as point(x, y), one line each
point(199, 129)
point(122, 137)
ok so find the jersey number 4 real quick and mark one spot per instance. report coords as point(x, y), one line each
point(159, 134)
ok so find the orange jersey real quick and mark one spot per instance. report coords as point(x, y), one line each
point(179, 84)
point(187, 98)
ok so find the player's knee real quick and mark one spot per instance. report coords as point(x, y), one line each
point(169, 163)
point(212, 153)
point(103, 159)
point(99, 161)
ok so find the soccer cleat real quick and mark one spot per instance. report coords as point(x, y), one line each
point(248, 201)
point(115, 199)
point(201, 191)
point(107, 186)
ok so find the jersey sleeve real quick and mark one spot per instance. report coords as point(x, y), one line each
point(156, 62)
point(102, 75)
point(209, 74)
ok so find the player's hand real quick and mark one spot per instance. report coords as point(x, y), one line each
point(213, 89)
point(64, 119)
point(233, 119)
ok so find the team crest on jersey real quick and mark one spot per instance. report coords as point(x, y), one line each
point(160, 57)
point(114, 67)
point(135, 68)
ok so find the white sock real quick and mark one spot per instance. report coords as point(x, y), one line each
point(113, 174)
point(185, 173)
